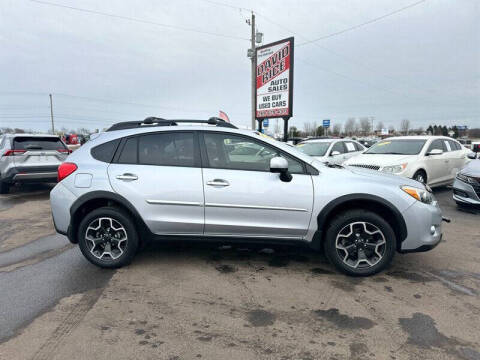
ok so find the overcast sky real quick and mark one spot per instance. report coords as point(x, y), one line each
point(422, 63)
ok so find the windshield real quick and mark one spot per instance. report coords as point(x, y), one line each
point(397, 147)
point(314, 148)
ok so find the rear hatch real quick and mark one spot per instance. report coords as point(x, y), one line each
point(38, 154)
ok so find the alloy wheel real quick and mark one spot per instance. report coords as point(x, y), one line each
point(106, 238)
point(360, 245)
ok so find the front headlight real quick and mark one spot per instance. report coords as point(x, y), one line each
point(422, 195)
point(465, 179)
point(395, 169)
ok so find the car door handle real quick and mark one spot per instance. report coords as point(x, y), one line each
point(127, 177)
point(218, 182)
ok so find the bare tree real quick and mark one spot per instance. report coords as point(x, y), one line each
point(350, 126)
point(391, 129)
point(337, 129)
point(405, 126)
point(380, 126)
point(365, 125)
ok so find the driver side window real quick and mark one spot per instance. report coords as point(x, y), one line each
point(436, 144)
point(338, 146)
point(228, 151)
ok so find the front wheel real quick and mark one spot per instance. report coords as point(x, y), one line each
point(360, 243)
point(420, 176)
point(108, 238)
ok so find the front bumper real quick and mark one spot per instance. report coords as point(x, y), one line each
point(424, 227)
point(465, 193)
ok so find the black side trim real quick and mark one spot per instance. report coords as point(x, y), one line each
point(324, 214)
point(94, 195)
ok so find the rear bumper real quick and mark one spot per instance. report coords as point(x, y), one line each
point(31, 174)
point(61, 199)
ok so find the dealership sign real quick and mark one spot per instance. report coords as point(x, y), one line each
point(274, 90)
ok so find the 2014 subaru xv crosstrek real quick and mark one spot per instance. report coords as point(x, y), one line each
point(163, 179)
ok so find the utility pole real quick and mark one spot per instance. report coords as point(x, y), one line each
point(51, 113)
point(254, 70)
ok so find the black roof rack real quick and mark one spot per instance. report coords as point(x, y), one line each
point(155, 121)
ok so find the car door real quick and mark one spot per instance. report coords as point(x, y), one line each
point(243, 198)
point(456, 158)
point(437, 165)
point(341, 156)
point(160, 174)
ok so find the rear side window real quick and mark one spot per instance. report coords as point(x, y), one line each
point(454, 145)
point(129, 152)
point(105, 152)
point(167, 149)
point(359, 147)
point(37, 143)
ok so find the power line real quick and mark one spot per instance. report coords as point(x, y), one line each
point(137, 20)
point(362, 24)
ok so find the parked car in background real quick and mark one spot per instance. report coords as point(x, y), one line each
point(466, 142)
point(333, 151)
point(466, 187)
point(432, 160)
point(72, 141)
point(30, 158)
point(159, 179)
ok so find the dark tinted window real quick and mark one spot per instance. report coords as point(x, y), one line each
point(129, 152)
point(168, 149)
point(37, 143)
point(105, 151)
point(227, 151)
point(437, 144)
point(338, 146)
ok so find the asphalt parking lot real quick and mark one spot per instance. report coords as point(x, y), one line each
point(202, 301)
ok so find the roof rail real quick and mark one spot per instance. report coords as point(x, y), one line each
point(155, 121)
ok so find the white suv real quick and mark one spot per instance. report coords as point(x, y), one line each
point(159, 179)
point(432, 160)
point(333, 151)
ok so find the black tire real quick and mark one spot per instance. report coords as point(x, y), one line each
point(120, 217)
point(420, 176)
point(4, 187)
point(340, 223)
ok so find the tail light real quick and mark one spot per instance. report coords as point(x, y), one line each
point(64, 151)
point(14, 152)
point(65, 169)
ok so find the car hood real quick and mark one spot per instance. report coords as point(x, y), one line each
point(384, 178)
point(472, 169)
point(379, 159)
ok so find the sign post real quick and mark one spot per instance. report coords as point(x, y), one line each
point(274, 82)
point(326, 125)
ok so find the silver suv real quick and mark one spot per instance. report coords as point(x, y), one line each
point(163, 179)
point(30, 158)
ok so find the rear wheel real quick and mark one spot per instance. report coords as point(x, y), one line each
point(360, 243)
point(108, 238)
point(420, 176)
point(4, 187)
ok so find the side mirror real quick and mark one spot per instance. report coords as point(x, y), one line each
point(280, 165)
point(435, 152)
point(334, 153)
point(472, 155)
